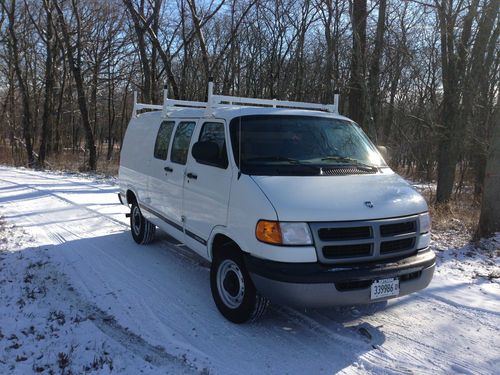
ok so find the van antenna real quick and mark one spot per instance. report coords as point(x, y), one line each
point(210, 93)
point(239, 146)
point(336, 100)
point(134, 109)
point(165, 99)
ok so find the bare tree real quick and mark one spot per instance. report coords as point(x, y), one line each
point(489, 222)
point(74, 56)
point(14, 51)
point(357, 88)
point(453, 54)
point(374, 72)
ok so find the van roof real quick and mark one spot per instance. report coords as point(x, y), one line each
point(231, 111)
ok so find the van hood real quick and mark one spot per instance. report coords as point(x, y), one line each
point(341, 198)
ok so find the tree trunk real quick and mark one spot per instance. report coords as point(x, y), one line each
point(357, 85)
point(201, 38)
point(373, 80)
point(75, 66)
point(140, 33)
point(453, 71)
point(489, 221)
point(14, 50)
point(49, 84)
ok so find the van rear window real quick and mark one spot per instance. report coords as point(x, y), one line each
point(163, 140)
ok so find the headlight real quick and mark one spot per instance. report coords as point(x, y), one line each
point(279, 233)
point(425, 222)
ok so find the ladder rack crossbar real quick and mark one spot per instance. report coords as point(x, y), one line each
point(139, 106)
point(215, 101)
point(185, 103)
point(219, 100)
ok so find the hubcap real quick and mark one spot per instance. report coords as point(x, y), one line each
point(230, 284)
point(136, 220)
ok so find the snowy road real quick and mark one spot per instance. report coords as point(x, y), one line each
point(152, 307)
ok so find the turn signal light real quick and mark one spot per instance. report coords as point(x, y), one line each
point(269, 232)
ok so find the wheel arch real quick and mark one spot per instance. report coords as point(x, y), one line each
point(131, 196)
point(218, 240)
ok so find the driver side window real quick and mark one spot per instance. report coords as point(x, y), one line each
point(214, 132)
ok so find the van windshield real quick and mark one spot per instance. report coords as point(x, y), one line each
point(301, 145)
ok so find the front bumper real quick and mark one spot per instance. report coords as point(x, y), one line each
point(320, 285)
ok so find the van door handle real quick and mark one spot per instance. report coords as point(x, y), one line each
point(168, 169)
point(191, 175)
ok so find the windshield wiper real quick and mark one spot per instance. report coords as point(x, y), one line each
point(290, 161)
point(273, 158)
point(349, 161)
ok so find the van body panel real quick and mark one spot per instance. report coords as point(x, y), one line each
point(206, 196)
point(341, 198)
point(135, 157)
point(248, 204)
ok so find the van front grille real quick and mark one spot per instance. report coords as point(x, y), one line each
point(365, 241)
point(349, 233)
point(398, 228)
point(397, 245)
point(347, 251)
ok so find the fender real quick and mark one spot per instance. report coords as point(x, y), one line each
point(220, 229)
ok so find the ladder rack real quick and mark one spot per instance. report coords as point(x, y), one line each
point(217, 101)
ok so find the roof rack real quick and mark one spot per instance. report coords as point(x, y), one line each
point(215, 101)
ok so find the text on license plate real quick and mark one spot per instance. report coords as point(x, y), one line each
point(385, 288)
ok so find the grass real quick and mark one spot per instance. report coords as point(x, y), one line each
point(461, 213)
point(66, 160)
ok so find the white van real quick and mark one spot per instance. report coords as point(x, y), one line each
point(290, 202)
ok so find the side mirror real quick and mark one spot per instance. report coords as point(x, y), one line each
point(206, 152)
point(384, 152)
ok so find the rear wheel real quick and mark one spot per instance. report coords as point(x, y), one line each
point(232, 288)
point(142, 229)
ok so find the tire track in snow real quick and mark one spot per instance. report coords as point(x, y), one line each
point(180, 248)
point(68, 201)
point(106, 323)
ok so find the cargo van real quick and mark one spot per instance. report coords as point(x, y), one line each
point(289, 201)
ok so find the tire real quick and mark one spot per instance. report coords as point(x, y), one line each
point(232, 288)
point(142, 229)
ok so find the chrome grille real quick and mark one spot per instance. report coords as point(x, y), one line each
point(365, 241)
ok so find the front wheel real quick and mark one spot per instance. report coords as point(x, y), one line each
point(142, 229)
point(232, 288)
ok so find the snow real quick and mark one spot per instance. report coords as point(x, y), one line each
point(79, 296)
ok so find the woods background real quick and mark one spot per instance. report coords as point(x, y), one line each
point(421, 77)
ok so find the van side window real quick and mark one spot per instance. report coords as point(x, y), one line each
point(163, 139)
point(214, 132)
point(182, 139)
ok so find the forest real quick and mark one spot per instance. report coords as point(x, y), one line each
point(420, 76)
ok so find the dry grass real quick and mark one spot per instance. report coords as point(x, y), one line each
point(67, 161)
point(64, 161)
point(460, 215)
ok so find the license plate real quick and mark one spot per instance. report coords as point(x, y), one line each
point(385, 288)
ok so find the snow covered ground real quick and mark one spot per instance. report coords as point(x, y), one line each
point(77, 295)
